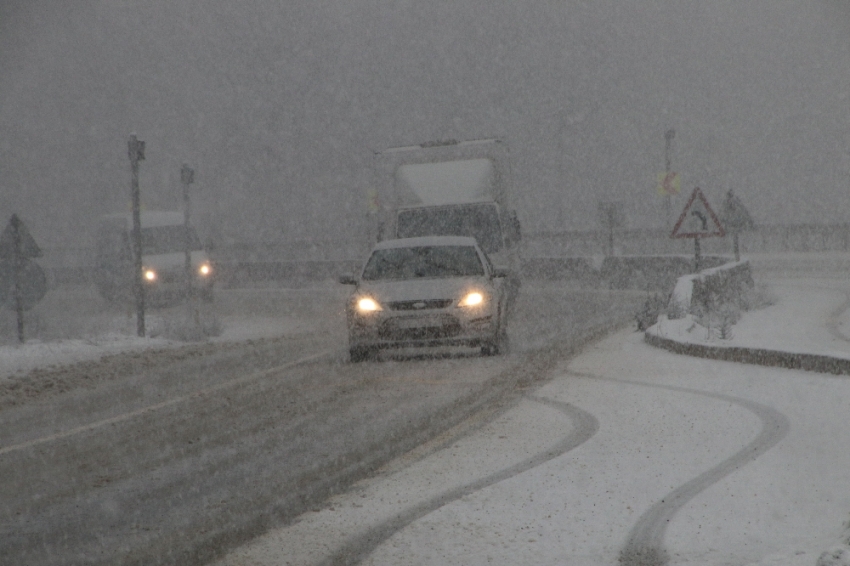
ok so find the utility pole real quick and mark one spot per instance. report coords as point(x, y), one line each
point(668, 142)
point(136, 152)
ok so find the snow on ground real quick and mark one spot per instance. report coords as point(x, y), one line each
point(520, 517)
point(33, 354)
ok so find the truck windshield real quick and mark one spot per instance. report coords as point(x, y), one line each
point(168, 239)
point(480, 221)
point(423, 262)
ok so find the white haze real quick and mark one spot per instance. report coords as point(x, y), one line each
point(280, 106)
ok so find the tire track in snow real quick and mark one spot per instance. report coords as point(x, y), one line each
point(645, 543)
point(585, 425)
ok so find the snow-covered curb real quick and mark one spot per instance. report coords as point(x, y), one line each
point(747, 355)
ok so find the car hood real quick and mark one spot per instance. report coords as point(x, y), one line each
point(422, 289)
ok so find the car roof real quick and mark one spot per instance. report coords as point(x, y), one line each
point(426, 241)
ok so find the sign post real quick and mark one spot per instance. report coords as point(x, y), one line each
point(697, 221)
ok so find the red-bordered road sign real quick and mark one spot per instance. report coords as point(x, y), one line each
point(697, 219)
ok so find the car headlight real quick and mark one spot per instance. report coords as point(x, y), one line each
point(149, 275)
point(472, 299)
point(368, 304)
point(205, 270)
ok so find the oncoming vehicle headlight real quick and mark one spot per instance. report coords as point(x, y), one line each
point(472, 299)
point(149, 275)
point(205, 270)
point(368, 304)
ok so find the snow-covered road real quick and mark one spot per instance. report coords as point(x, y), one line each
point(175, 454)
point(707, 462)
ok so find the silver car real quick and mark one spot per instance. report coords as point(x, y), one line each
point(421, 292)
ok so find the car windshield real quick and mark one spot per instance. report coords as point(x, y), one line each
point(168, 239)
point(423, 262)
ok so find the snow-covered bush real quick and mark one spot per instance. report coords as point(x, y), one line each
point(714, 298)
point(652, 308)
point(720, 294)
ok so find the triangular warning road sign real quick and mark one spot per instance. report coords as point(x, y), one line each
point(697, 219)
point(17, 235)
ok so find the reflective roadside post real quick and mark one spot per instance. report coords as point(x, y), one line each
point(136, 152)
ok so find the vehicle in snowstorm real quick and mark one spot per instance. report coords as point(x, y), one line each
point(450, 188)
point(164, 242)
point(424, 292)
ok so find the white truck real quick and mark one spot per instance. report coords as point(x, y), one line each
point(450, 188)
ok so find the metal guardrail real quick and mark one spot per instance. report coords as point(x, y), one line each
point(651, 273)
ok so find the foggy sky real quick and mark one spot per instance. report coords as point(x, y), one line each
point(279, 106)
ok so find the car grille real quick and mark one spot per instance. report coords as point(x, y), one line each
point(170, 277)
point(420, 305)
point(433, 327)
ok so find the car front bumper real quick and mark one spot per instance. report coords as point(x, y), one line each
point(441, 328)
point(172, 287)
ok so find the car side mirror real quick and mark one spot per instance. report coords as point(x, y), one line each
point(501, 272)
point(347, 279)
